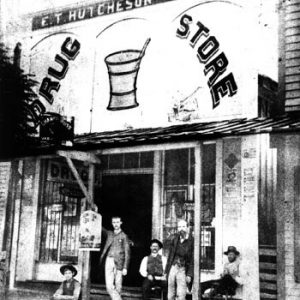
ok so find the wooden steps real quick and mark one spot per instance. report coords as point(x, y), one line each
point(268, 273)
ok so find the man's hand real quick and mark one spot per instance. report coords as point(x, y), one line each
point(150, 277)
point(164, 277)
point(124, 272)
point(188, 279)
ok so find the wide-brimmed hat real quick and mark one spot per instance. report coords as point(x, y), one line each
point(232, 249)
point(68, 267)
point(158, 242)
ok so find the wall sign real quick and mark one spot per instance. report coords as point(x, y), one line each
point(102, 8)
point(215, 62)
point(187, 62)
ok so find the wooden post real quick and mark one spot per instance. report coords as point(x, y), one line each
point(86, 257)
point(156, 209)
point(79, 180)
point(197, 221)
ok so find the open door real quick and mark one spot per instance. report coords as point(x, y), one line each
point(130, 197)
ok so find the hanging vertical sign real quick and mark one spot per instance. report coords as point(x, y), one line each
point(90, 231)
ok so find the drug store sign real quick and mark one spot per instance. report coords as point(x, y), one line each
point(188, 61)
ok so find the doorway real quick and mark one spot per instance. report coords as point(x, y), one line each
point(130, 197)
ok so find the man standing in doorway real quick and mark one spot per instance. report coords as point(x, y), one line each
point(180, 264)
point(117, 252)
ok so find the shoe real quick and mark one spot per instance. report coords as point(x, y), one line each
point(206, 296)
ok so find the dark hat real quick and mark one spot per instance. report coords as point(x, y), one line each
point(159, 243)
point(231, 249)
point(68, 267)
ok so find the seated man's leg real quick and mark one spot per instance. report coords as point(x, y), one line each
point(227, 285)
point(164, 287)
point(208, 285)
point(146, 288)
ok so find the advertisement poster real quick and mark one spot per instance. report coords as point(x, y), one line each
point(90, 231)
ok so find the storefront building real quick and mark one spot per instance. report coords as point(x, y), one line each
point(240, 187)
point(199, 151)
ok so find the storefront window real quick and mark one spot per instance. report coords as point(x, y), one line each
point(208, 206)
point(178, 201)
point(134, 160)
point(60, 212)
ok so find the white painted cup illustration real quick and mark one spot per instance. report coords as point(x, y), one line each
point(123, 67)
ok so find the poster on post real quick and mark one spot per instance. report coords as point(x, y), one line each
point(90, 231)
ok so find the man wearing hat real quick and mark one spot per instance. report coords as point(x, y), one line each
point(152, 268)
point(230, 278)
point(70, 287)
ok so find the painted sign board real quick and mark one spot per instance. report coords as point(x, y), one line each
point(90, 231)
point(101, 8)
point(180, 61)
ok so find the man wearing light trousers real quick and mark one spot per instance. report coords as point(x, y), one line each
point(180, 264)
point(117, 252)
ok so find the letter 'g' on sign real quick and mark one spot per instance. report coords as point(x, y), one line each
point(70, 51)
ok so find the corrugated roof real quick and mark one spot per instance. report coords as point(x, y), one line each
point(191, 131)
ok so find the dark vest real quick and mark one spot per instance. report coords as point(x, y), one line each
point(154, 265)
point(68, 291)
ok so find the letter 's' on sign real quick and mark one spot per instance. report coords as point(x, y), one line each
point(208, 53)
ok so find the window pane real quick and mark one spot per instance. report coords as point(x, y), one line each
point(176, 167)
point(178, 202)
point(131, 160)
point(146, 159)
point(208, 207)
point(116, 161)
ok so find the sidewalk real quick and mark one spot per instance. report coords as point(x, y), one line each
point(25, 294)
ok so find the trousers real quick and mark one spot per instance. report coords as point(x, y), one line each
point(113, 279)
point(148, 284)
point(224, 285)
point(177, 283)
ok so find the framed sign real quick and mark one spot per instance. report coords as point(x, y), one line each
point(90, 231)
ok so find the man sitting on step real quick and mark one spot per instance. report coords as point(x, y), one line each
point(153, 269)
point(230, 278)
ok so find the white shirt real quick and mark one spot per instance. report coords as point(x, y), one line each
point(143, 266)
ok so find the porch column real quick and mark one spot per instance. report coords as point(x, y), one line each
point(197, 221)
point(157, 186)
point(92, 159)
point(86, 257)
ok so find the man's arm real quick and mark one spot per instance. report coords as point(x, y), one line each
point(143, 267)
point(58, 292)
point(127, 252)
point(77, 289)
point(105, 246)
point(171, 248)
point(190, 271)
